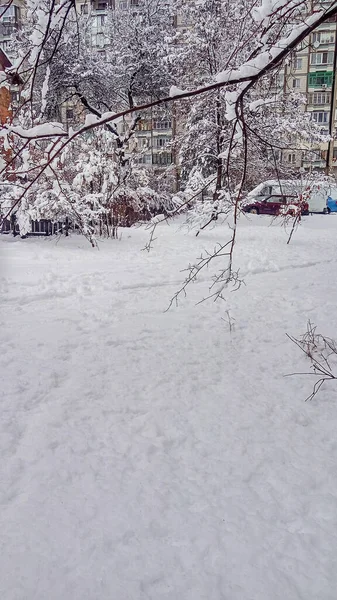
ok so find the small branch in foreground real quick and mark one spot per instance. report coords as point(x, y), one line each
point(221, 281)
point(322, 353)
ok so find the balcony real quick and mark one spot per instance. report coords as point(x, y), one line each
point(320, 79)
point(100, 7)
point(6, 31)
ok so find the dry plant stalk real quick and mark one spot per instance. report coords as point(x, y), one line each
point(322, 354)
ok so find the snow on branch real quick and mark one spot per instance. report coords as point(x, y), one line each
point(43, 131)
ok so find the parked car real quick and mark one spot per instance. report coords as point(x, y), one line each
point(275, 205)
point(331, 205)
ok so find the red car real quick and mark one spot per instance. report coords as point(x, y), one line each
point(274, 205)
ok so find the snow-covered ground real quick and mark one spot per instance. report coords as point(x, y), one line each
point(158, 455)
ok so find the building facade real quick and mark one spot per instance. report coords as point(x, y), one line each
point(11, 16)
point(312, 72)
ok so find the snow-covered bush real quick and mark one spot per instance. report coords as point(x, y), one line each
point(91, 184)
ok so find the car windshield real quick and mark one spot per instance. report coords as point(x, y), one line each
point(276, 199)
point(265, 191)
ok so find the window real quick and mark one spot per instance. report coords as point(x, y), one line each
point(320, 78)
point(276, 80)
point(123, 4)
point(84, 9)
point(321, 117)
point(321, 58)
point(323, 37)
point(161, 141)
point(134, 2)
point(298, 62)
point(162, 124)
point(145, 159)
point(10, 19)
point(142, 142)
point(11, 14)
point(302, 46)
point(164, 158)
point(320, 98)
point(291, 158)
point(15, 97)
point(274, 199)
point(144, 125)
point(100, 20)
point(4, 44)
point(98, 40)
point(296, 83)
point(266, 191)
point(102, 6)
point(69, 114)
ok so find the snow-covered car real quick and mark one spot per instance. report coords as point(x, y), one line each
point(275, 205)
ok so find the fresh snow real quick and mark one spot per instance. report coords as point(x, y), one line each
point(175, 91)
point(154, 455)
point(252, 67)
point(44, 91)
point(269, 7)
point(44, 130)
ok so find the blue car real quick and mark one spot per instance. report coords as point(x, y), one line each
point(331, 205)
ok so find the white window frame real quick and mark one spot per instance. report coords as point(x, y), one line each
point(323, 37)
point(162, 158)
point(161, 141)
point(162, 124)
point(322, 117)
point(142, 142)
point(318, 58)
point(320, 98)
point(298, 63)
point(145, 159)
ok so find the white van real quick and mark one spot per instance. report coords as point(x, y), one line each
point(276, 187)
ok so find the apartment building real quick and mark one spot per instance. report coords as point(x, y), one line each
point(11, 15)
point(311, 72)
